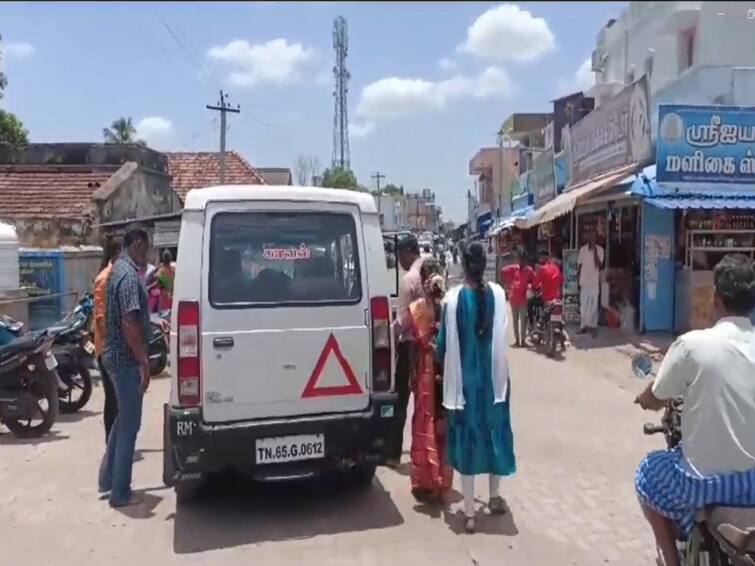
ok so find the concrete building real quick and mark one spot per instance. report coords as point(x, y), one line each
point(692, 52)
point(421, 211)
point(58, 194)
point(487, 168)
point(392, 209)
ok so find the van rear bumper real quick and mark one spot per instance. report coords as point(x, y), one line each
point(197, 448)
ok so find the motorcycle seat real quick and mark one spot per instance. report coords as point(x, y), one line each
point(58, 328)
point(735, 524)
point(23, 344)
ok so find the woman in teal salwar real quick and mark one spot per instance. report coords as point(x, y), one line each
point(476, 392)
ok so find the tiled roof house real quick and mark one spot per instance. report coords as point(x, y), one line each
point(276, 175)
point(56, 194)
point(194, 170)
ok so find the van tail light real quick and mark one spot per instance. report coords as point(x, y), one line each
point(189, 374)
point(382, 358)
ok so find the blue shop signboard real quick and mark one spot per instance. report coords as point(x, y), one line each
point(42, 275)
point(705, 144)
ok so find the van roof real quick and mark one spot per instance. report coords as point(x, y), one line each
point(197, 199)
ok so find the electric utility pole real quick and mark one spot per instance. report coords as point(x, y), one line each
point(223, 107)
point(377, 176)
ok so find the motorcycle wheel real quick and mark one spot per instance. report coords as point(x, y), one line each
point(45, 389)
point(550, 342)
point(79, 388)
point(160, 366)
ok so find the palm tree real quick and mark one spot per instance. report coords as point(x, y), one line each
point(121, 131)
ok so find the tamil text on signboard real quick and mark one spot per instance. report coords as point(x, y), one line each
point(706, 144)
point(571, 285)
point(40, 275)
point(616, 133)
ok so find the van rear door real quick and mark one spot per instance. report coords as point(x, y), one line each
point(285, 311)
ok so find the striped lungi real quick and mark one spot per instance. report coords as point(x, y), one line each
point(664, 485)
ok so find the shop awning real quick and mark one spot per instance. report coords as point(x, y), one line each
point(712, 201)
point(509, 221)
point(565, 202)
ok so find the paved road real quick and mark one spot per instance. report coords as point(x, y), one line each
point(578, 440)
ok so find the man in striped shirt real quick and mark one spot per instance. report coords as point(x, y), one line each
point(713, 372)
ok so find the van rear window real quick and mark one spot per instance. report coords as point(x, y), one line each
point(274, 258)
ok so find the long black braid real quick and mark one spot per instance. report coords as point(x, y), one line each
point(474, 268)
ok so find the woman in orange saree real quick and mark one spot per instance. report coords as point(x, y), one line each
point(430, 473)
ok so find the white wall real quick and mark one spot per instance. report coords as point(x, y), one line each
point(724, 36)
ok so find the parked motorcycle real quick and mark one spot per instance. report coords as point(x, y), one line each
point(549, 327)
point(28, 385)
point(724, 536)
point(157, 350)
point(73, 350)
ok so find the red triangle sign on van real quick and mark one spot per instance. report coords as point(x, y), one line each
point(352, 388)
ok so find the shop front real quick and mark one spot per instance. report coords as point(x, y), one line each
point(701, 208)
point(614, 217)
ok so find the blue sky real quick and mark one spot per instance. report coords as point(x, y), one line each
point(431, 82)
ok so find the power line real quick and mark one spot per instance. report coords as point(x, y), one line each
point(192, 59)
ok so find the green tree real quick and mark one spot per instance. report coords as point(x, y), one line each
point(338, 178)
point(121, 131)
point(391, 189)
point(12, 131)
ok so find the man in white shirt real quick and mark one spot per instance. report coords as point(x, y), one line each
point(590, 263)
point(713, 371)
point(410, 289)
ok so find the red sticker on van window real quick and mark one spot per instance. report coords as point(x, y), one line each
point(287, 254)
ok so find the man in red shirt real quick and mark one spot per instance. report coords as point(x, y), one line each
point(516, 279)
point(550, 280)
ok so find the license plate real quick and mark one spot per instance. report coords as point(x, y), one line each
point(89, 347)
point(50, 362)
point(556, 318)
point(290, 448)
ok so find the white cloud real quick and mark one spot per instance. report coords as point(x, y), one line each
point(493, 82)
point(507, 32)
point(583, 80)
point(274, 62)
point(17, 51)
point(156, 131)
point(447, 64)
point(361, 130)
point(394, 97)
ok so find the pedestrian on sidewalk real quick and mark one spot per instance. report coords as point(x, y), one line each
point(517, 279)
point(431, 475)
point(476, 392)
point(110, 410)
point(408, 254)
point(590, 264)
point(125, 360)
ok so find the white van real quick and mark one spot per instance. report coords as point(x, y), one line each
point(281, 342)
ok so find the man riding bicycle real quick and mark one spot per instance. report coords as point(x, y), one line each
point(713, 371)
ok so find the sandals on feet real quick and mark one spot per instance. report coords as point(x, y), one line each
point(497, 506)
